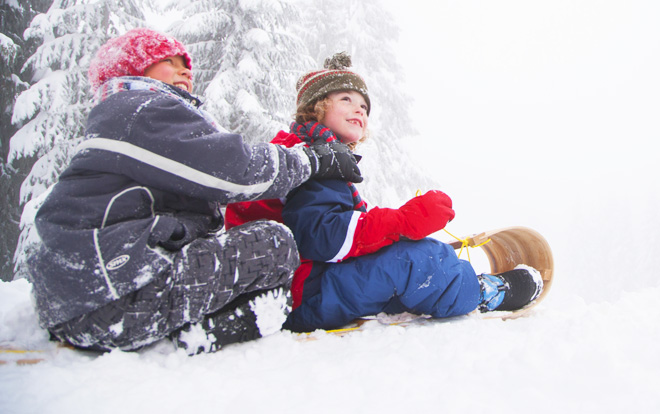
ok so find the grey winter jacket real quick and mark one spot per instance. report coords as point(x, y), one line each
point(149, 177)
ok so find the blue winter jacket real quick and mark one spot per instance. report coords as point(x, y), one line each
point(351, 269)
point(149, 177)
point(420, 277)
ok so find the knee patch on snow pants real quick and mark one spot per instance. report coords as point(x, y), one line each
point(206, 275)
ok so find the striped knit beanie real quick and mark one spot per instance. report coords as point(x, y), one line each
point(334, 77)
point(133, 52)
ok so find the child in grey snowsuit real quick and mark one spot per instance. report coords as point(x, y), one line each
point(131, 249)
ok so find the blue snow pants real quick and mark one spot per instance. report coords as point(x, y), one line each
point(420, 277)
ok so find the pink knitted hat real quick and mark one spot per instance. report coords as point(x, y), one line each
point(131, 53)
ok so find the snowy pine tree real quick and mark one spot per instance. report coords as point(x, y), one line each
point(247, 56)
point(246, 62)
point(256, 51)
point(14, 51)
point(201, 29)
point(51, 113)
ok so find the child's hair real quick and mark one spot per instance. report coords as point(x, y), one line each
point(315, 111)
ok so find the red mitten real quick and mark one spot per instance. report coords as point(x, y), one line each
point(425, 215)
point(416, 219)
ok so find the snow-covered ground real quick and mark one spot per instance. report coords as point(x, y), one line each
point(569, 356)
point(543, 114)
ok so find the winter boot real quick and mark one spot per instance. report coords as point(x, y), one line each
point(249, 317)
point(510, 290)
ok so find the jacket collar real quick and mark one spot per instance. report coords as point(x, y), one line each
point(132, 83)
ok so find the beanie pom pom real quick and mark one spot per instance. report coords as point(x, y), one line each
point(339, 61)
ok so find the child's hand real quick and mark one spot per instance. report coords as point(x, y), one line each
point(415, 220)
point(333, 160)
point(426, 214)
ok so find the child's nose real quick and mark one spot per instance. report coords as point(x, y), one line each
point(185, 72)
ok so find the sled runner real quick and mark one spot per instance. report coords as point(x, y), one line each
point(19, 356)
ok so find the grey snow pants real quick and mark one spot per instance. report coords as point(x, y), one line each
point(206, 275)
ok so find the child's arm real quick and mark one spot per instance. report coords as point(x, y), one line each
point(326, 227)
point(415, 220)
point(159, 142)
point(320, 214)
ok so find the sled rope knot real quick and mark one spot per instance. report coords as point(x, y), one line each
point(465, 243)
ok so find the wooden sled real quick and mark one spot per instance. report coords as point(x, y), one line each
point(509, 247)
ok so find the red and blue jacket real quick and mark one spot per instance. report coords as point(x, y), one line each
point(328, 218)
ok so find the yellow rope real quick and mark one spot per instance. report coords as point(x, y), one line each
point(465, 243)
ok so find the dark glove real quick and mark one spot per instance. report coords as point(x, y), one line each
point(183, 228)
point(333, 160)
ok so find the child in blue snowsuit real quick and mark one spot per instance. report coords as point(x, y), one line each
point(131, 249)
point(358, 262)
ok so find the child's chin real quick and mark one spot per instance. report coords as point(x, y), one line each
point(349, 140)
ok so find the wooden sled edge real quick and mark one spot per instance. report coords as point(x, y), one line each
point(10, 354)
point(509, 247)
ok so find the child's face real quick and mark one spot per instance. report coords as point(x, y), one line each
point(171, 70)
point(347, 115)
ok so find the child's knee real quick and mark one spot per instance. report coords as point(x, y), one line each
point(271, 239)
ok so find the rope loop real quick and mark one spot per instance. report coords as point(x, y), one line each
point(465, 243)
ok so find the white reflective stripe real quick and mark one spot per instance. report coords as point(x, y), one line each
point(179, 169)
point(116, 196)
point(112, 289)
point(159, 250)
point(348, 241)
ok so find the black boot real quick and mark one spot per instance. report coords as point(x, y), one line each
point(249, 317)
point(511, 290)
